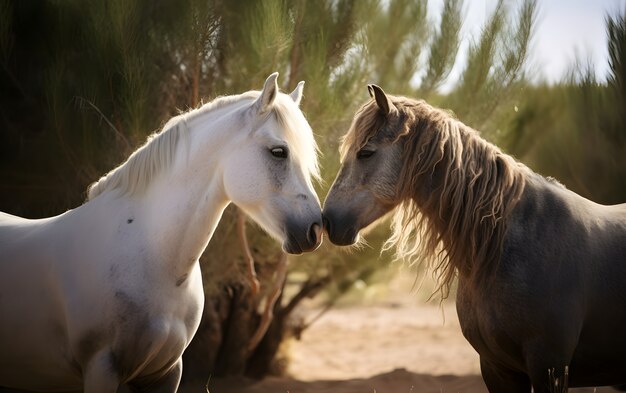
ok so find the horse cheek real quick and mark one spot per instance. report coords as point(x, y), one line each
point(243, 182)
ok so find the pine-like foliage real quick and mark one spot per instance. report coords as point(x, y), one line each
point(83, 83)
point(575, 131)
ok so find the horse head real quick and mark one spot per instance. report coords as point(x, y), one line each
point(269, 172)
point(371, 160)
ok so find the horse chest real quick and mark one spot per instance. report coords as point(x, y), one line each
point(489, 326)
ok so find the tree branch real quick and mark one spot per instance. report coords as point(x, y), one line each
point(309, 289)
point(247, 255)
point(272, 297)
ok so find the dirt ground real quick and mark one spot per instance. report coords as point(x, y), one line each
point(398, 345)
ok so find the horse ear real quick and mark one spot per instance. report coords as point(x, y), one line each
point(296, 94)
point(383, 102)
point(370, 90)
point(269, 93)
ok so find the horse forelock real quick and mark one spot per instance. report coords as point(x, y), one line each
point(299, 135)
point(459, 225)
point(366, 123)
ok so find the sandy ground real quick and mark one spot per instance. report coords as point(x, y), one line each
point(369, 340)
point(399, 345)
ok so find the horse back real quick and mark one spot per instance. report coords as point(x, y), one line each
point(22, 239)
point(558, 231)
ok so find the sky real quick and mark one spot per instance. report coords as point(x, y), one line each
point(565, 30)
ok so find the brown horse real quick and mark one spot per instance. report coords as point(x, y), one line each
point(542, 271)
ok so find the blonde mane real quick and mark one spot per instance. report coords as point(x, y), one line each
point(157, 153)
point(457, 190)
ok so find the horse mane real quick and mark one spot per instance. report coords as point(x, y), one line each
point(157, 153)
point(457, 191)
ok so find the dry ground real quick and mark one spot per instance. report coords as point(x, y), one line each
point(398, 345)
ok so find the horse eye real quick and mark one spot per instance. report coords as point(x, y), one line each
point(279, 152)
point(363, 153)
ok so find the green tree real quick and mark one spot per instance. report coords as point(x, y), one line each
point(494, 72)
point(576, 130)
point(82, 85)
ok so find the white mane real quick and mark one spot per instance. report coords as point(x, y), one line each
point(157, 153)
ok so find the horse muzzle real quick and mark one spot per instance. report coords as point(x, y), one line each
point(341, 228)
point(303, 238)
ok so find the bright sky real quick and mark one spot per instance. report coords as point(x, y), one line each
point(565, 30)
point(570, 28)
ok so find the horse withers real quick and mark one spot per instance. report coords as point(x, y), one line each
point(110, 293)
point(541, 270)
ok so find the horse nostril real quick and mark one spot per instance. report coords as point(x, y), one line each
point(326, 223)
point(315, 233)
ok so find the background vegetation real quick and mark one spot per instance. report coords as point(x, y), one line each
point(81, 86)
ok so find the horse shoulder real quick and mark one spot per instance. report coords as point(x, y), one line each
point(538, 287)
point(146, 323)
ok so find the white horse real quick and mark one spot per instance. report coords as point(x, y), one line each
point(110, 293)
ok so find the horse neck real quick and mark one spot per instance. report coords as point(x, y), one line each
point(467, 196)
point(182, 217)
point(183, 205)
